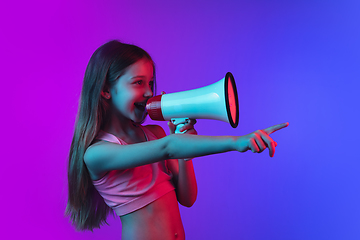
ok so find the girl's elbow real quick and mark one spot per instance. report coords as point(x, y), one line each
point(193, 200)
point(188, 203)
point(189, 200)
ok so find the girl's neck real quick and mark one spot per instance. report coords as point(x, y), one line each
point(122, 128)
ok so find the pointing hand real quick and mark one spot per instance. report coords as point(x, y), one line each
point(259, 140)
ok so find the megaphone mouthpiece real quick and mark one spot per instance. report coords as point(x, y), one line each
point(153, 108)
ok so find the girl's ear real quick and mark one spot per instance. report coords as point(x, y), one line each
point(105, 93)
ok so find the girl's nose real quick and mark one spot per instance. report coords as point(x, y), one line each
point(148, 92)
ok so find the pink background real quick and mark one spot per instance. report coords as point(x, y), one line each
point(295, 61)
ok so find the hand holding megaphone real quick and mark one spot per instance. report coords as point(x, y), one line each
point(182, 125)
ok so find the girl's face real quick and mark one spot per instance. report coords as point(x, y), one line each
point(132, 90)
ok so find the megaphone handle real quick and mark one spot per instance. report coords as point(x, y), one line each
point(179, 123)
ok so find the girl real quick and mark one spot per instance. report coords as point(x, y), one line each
point(118, 165)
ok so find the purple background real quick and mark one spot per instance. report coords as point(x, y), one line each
point(295, 61)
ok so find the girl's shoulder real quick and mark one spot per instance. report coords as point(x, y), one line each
point(157, 130)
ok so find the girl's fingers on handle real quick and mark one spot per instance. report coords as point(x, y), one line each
point(189, 126)
point(172, 127)
point(275, 128)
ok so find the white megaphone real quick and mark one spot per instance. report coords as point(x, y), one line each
point(217, 101)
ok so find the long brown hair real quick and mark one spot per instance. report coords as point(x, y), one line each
point(85, 207)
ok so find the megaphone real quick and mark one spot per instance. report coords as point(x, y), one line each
point(217, 101)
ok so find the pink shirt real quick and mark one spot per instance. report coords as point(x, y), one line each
point(128, 190)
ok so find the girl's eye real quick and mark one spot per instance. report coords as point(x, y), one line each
point(138, 82)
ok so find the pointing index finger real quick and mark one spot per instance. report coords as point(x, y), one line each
point(275, 128)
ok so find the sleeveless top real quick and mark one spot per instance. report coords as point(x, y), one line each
point(128, 190)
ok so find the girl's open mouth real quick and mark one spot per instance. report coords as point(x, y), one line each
point(140, 105)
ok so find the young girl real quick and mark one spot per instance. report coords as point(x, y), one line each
point(118, 165)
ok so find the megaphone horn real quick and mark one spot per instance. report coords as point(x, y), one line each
point(217, 101)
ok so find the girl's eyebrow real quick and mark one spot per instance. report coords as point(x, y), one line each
point(141, 76)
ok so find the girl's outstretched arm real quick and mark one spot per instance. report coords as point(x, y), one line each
point(105, 156)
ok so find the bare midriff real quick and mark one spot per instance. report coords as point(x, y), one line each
point(158, 220)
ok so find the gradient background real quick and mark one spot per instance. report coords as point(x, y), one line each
point(295, 61)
